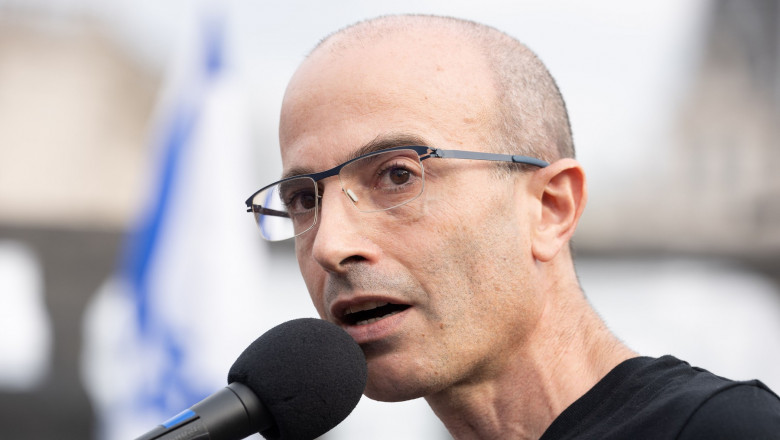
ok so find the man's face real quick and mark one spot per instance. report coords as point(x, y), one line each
point(437, 291)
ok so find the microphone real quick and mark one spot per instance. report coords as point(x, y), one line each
point(295, 382)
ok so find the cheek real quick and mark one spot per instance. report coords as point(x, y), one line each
point(313, 276)
point(480, 251)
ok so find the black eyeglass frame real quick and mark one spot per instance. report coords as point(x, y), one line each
point(423, 153)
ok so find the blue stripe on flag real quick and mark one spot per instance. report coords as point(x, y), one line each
point(143, 241)
point(168, 389)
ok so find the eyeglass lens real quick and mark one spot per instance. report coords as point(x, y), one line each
point(377, 182)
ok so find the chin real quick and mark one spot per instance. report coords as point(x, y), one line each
point(383, 394)
point(397, 389)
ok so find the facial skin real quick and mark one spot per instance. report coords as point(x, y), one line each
point(451, 255)
point(474, 266)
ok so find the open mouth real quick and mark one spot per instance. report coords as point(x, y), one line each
point(368, 312)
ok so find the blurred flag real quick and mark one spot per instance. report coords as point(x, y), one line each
point(162, 333)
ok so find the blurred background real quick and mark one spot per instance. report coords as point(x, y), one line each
point(131, 132)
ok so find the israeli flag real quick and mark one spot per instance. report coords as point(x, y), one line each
point(186, 300)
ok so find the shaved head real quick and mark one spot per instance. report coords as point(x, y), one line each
point(530, 114)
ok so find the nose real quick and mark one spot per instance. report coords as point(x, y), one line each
point(339, 238)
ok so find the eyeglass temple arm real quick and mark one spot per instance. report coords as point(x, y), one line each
point(515, 158)
point(266, 211)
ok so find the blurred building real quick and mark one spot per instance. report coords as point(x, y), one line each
point(727, 163)
point(714, 190)
point(73, 155)
point(73, 114)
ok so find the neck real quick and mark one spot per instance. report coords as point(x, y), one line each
point(565, 355)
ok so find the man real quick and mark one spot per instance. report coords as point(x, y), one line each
point(453, 270)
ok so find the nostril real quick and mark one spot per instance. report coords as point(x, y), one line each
point(353, 259)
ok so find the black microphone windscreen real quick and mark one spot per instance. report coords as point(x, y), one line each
point(309, 373)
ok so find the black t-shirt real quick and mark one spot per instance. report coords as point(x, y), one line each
point(666, 398)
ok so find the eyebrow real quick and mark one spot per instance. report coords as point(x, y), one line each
point(379, 143)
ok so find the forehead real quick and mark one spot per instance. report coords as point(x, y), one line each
point(423, 85)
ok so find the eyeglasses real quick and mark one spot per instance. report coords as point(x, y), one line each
point(377, 181)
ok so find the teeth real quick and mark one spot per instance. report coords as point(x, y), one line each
point(369, 321)
point(364, 306)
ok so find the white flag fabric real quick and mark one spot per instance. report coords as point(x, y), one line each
point(163, 332)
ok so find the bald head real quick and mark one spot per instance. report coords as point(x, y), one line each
point(529, 117)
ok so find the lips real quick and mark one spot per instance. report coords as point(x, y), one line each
point(368, 312)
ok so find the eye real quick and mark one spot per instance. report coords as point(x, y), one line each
point(399, 175)
point(395, 174)
point(299, 201)
point(304, 201)
point(386, 177)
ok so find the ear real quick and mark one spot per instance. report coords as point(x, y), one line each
point(561, 191)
